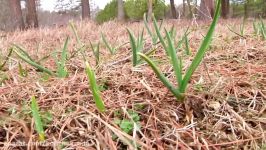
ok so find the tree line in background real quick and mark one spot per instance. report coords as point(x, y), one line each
point(201, 9)
point(130, 10)
point(31, 12)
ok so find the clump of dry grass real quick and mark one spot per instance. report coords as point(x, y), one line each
point(224, 109)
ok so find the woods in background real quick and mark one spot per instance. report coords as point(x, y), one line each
point(30, 11)
point(16, 11)
point(200, 9)
point(31, 14)
point(85, 5)
point(27, 13)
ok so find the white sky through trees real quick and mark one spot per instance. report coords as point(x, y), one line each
point(50, 4)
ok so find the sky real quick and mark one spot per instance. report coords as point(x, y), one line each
point(50, 4)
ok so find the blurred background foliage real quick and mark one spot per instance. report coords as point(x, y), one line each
point(66, 10)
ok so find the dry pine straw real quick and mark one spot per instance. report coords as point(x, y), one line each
point(224, 109)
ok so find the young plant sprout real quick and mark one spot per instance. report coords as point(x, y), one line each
point(37, 119)
point(94, 88)
point(262, 29)
point(136, 45)
point(96, 52)
point(89, 71)
point(182, 80)
point(61, 70)
point(22, 54)
point(61, 63)
point(111, 49)
point(153, 36)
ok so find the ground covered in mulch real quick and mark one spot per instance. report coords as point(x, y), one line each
point(225, 105)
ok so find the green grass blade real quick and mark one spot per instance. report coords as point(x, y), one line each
point(161, 25)
point(96, 52)
point(239, 34)
point(23, 51)
point(140, 41)
point(159, 34)
point(255, 28)
point(133, 47)
point(37, 119)
point(64, 51)
point(74, 30)
point(242, 27)
point(7, 57)
point(34, 64)
point(147, 27)
point(174, 59)
point(110, 48)
point(139, 45)
point(22, 72)
point(161, 76)
point(81, 46)
point(188, 52)
point(202, 50)
point(263, 29)
point(61, 68)
point(172, 32)
point(180, 42)
point(155, 36)
point(43, 58)
point(94, 88)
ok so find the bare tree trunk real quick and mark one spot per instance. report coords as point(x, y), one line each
point(225, 8)
point(149, 11)
point(31, 16)
point(121, 13)
point(17, 14)
point(210, 4)
point(173, 10)
point(246, 9)
point(190, 9)
point(206, 9)
point(85, 6)
point(184, 8)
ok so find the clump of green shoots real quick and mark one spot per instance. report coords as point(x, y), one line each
point(94, 88)
point(260, 29)
point(61, 70)
point(182, 80)
point(96, 52)
point(80, 45)
point(22, 54)
point(136, 46)
point(153, 36)
point(255, 28)
point(172, 32)
point(241, 29)
point(187, 48)
point(6, 59)
point(22, 72)
point(111, 49)
point(37, 119)
point(89, 71)
point(184, 40)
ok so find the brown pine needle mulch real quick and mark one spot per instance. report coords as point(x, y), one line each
point(225, 106)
